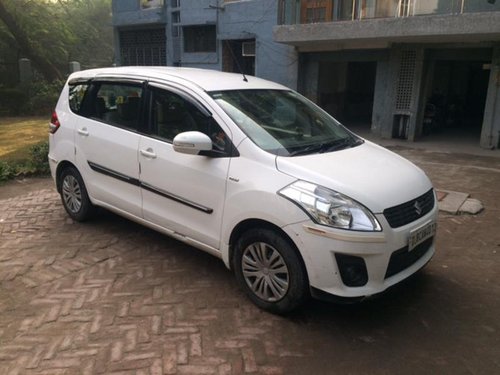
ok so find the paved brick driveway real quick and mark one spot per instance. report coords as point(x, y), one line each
point(110, 296)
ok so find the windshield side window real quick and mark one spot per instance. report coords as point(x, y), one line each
point(117, 104)
point(172, 114)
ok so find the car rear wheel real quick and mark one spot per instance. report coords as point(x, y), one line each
point(269, 270)
point(74, 195)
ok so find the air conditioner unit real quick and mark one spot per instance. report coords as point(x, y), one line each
point(248, 49)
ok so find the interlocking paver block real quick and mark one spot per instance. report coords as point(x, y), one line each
point(111, 296)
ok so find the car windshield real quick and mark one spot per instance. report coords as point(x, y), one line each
point(283, 122)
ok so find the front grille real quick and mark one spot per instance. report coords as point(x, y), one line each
point(410, 211)
point(402, 259)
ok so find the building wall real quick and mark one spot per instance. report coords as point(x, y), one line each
point(197, 12)
point(437, 52)
point(256, 19)
point(387, 111)
point(245, 19)
point(129, 13)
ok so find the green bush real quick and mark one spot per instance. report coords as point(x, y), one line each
point(38, 160)
point(7, 171)
point(43, 97)
point(39, 98)
point(36, 165)
point(12, 101)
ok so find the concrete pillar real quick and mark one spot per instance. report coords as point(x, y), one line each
point(382, 113)
point(74, 66)
point(490, 134)
point(385, 92)
point(25, 71)
point(116, 44)
point(418, 104)
point(170, 38)
point(309, 80)
point(292, 68)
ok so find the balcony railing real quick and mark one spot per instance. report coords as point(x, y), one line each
point(312, 11)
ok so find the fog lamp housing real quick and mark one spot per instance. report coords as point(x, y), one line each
point(352, 270)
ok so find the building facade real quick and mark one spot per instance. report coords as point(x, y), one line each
point(404, 68)
point(227, 35)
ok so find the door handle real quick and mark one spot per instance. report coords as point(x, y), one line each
point(83, 132)
point(149, 153)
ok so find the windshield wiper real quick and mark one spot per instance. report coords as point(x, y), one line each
point(338, 144)
point(311, 149)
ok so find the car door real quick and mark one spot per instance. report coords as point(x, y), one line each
point(184, 193)
point(107, 142)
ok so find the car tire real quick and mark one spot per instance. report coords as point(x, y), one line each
point(74, 196)
point(269, 269)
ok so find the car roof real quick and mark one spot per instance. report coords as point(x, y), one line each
point(206, 79)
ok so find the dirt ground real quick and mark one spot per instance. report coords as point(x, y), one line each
point(110, 296)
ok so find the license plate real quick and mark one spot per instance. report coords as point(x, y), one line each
point(419, 235)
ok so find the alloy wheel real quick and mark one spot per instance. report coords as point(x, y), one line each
point(72, 194)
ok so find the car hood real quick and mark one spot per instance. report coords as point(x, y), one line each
point(369, 174)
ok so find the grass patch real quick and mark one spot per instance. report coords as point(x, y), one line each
point(19, 134)
point(23, 147)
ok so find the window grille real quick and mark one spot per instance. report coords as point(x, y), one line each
point(143, 47)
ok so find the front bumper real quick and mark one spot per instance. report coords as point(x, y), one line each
point(326, 251)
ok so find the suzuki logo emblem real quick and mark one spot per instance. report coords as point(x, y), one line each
point(418, 208)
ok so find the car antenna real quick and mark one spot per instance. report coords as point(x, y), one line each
point(236, 60)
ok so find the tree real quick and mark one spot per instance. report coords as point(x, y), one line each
point(91, 27)
point(53, 33)
point(25, 45)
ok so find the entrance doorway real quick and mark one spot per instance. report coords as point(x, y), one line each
point(238, 56)
point(456, 98)
point(346, 91)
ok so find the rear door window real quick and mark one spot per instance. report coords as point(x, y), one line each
point(117, 104)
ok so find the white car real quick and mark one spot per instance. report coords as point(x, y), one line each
point(247, 170)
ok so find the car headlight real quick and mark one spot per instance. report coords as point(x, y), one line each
point(327, 207)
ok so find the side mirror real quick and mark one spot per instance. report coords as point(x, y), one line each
point(192, 143)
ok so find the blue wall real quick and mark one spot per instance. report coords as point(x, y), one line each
point(199, 12)
point(129, 13)
point(256, 19)
point(245, 19)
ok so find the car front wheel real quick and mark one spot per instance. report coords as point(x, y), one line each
point(269, 270)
